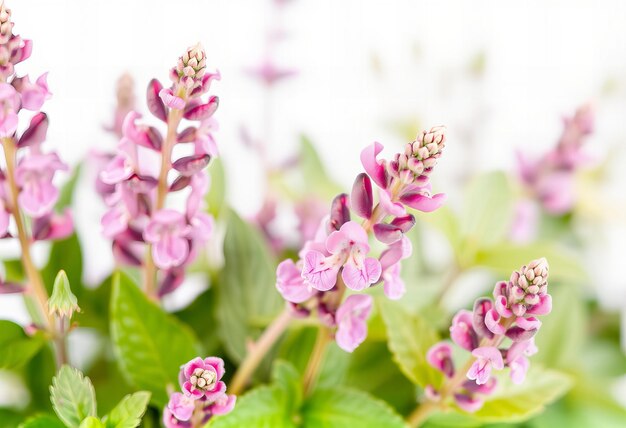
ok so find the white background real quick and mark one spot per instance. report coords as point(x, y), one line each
point(363, 67)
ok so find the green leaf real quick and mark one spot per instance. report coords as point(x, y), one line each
point(91, 422)
point(287, 378)
point(65, 255)
point(348, 408)
point(66, 195)
point(488, 212)
point(63, 301)
point(42, 421)
point(73, 397)
point(409, 339)
point(150, 344)
point(17, 348)
point(517, 403)
point(247, 296)
point(315, 177)
point(216, 196)
point(504, 258)
point(129, 411)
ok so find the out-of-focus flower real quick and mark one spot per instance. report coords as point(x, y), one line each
point(351, 321)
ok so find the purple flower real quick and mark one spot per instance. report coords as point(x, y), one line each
point(487, 357)
point(33, 94)
point(516, 359)
point(181, 406)
point(34, 176)
point(290, 283)
point(171, 421)
point(202, 378)
point(348, 247)
point(222, 405)
point(440, 357)
point(393, 284)
point(462, 332)
point(168, 231)
point(351, 319)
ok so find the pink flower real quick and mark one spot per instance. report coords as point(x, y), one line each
point(34, 94)
point(462, 332)
point(222, 405)
point(168, 233)
point(486, 358)
point(171, 100)
point(517, 361)
point(52, 226)
point(348, 247)
point(440, 357)
point(374, 168)
point(170, 421)
point(469, 403)
point(202, 378)
point(34, 176)
point(351, 321)
point(8, 115)
point(290, 283)
point(393, 284)
point(181, 406)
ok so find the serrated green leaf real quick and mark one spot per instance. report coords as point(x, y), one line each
point(17, 348)
point(503, 258)
point(409, 339)
point(247, 296)
point(487, 213)
point(347, 408)
point(517, 403)
point(42, 421)
point(91, 422)
point(73, 397)
point(287, 378)
point(129, 411)
point(150, 344)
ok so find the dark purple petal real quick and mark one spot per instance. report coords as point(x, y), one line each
point(187, 135)
point(201, 111)
point(481, 307)
point(154, 138)
point(404, 223)
point(124, 254)
point(189, 165)
point(387, 233)
point(518, 334)
point(180, 183)
point(36, 131)
point(173, 279)
point(155, 104)
point(362, 200)
point(339, 211)
point(11, 288)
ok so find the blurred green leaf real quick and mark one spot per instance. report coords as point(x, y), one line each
point(129, 411)
point(316, 179)
point(91, 422)
point(150, 344)
point(216, 195)
point(348, 408)
point(247, 292)
point(558, 350)
point(409, 338)
point(518, 403)
point(66, 195)
point(17, 348)
point(287, 378)
point(504, 258)
point(42, 421)
point(12, 419)
point(487, 213)
point(65, 255)
point(73, 397)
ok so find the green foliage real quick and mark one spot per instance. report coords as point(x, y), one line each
point(91, 422)
point(281, 405)
point(150, 344)
point(517, 403)
point(73, 397)
point(217, 192)
point(315, 178)
point(129, 411)
point(42, 421)
point(66, 195)
point(247, 297)
point(410, 337)
point(17, 348)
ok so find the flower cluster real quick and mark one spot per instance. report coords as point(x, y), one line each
point(203, 394)
point(138, 179)
point(484, 332)
point(551, 178)
point(338, 257)
point(26, 181)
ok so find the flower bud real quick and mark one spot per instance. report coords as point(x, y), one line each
point(191, 67)
point(62, 302)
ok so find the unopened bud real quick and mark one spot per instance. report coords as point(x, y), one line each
point(62, 302)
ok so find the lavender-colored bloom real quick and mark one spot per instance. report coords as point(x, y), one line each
point(462, 331)
point(202, 378)
point(168, 232)
point(440, 357)
point(290, 283)
point(34, 176)
point(351, 321)
point(487, 357)
point(181, 406)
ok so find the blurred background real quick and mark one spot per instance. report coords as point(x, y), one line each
point(501, 75)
